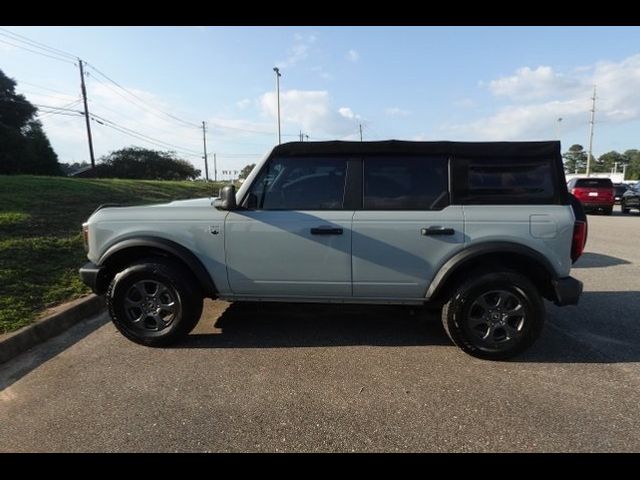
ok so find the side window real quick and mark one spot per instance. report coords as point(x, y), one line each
point(500, 181)
point(299, 183)
point(405, 183)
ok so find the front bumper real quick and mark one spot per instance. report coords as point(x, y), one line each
point(568, 291)
point(95, 277)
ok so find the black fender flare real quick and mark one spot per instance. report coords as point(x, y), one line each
point(172, 248)
point(474, 251)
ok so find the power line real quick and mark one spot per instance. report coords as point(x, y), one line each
point(35, 43)
point(27, 92)
point(54, 108)
point(118, 129)
point(35, 51)
point(52, 112)
point(129, 117)
point(142, 135)
point(40, 117)
point(20, 82)
point(137, 104)
point(140, 99)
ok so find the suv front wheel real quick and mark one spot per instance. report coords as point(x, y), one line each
point(494, 315)
point(154, 302)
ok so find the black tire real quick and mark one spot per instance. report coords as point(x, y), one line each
point(608, 211)
point(464, 306)
point(624, 208)
point(160, 322)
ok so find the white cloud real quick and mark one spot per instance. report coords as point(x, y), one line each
point(299, 51)
point(396, 112)
point(618, 100)
point(311, 110)
point(530, 83)
point(353, 55)
point(346, 112)
point(244, 103)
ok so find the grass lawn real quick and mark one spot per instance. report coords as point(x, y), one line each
point(40, 238)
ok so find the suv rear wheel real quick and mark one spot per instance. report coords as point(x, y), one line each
point(494, 316)
point(623, 207)
point(154, 302)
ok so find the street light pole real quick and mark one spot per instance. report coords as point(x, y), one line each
point(593, 114)
point(277, 70)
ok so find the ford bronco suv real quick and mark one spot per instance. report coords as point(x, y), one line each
point(484, 231)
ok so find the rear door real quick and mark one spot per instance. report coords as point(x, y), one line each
point(405, 228)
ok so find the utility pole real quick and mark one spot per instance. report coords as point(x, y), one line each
point(301, 135)
point(593, 114)
point(86, 115)
point(277, 70)
point(206, 161)
point(360, 132)
point(215, 169)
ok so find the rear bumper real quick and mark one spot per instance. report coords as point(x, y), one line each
point(568, 291)
point(95, 277)
point(592, 204)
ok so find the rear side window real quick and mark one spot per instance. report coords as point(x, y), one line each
point(504, 181)
point(405, 183)
point(299, 183)
point(594, 183)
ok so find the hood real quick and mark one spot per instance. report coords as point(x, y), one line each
point(192, 202)
point(182, 210)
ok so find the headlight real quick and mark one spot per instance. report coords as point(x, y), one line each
point(85, 236)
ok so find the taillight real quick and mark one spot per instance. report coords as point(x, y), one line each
point(573, 191)
point(579, 239)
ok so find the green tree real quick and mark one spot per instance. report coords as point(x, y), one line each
point(244, 173)
point(25, 147)
point(633, 164)
point(145, 164)
point(575, 159)
point(607, 161)
point(40, 154)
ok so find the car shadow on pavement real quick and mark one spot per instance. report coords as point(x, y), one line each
point(273, 325)
point(603, 328)
point(597, 260)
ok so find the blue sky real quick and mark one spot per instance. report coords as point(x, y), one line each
point(414, 83)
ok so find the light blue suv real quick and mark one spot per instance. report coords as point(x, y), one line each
point(483, 230)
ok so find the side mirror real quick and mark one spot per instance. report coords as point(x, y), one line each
point(227, 200)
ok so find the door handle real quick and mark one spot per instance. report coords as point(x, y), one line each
point(326, 231)
point(437, 231)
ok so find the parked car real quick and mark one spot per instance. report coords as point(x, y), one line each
point(483, 230)
point(595, 194)
point(619, 189)
point(631, 199)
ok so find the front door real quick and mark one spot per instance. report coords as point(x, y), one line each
point(292, 235)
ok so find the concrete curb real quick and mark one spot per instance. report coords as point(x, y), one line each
point(61, 318)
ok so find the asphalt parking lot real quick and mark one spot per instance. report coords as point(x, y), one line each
point(319, 378)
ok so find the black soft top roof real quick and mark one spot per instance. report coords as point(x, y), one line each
point(544, 149)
